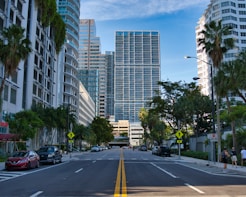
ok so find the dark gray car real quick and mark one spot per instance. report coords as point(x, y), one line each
point(50, 154)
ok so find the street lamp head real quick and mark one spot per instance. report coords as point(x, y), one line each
point(187, 57)
point(196, 78)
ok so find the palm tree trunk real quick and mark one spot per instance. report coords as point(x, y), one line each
point(233, 127)
point(218, 127)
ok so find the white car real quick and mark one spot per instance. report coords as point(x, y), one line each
point(95, 149)
point(155, 150)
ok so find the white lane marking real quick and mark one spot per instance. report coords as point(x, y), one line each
point(36, 194)
point(94, 161)
point(194, 188)
point(170, 174)
point(78, 170)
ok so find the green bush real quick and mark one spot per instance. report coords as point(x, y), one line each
point(3, 158)
point(195, 154)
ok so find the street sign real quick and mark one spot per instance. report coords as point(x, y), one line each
point(213, 137)
point(179, 134)
point(179, 141)
point(70, 135)
point(70, 141)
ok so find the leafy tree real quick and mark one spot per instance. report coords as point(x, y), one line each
point(14, 47)
point(26, 124)
point(49, 16)
point(215, 44)
point(231, 79)
point(179, 103)
point(102, 129)
point(143, 117)
point(47, 10)
point(80, 133)
point(151, 120)
point(59, 31)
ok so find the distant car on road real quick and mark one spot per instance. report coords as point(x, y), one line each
point(50, 154)
point(22, 160)
point(143, 148)
point(95, 149)
point(165, 151)
point(156, 150)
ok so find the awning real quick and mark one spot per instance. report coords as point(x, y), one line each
point(9, 137)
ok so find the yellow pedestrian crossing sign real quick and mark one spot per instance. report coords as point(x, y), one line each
point(179, 134)
point(179, 141)
point(70, 135)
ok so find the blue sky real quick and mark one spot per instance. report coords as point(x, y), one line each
point(176, 21)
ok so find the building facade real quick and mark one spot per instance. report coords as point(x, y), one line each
point(68, 90)
point(109, 61)
point(136, 73)
point(232, 13)
point(35, 81)
point(92, 70)
point(87, 110)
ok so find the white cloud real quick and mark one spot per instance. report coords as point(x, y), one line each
point(116, 9)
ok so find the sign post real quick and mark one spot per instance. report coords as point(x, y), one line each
point(179, 135)
point(70, 136)
point(212, 137)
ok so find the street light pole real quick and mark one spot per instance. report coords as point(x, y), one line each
point(212, 96)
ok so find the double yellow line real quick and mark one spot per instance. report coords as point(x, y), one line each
point(121, 179)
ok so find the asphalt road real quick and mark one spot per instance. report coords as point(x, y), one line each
point(120, 172)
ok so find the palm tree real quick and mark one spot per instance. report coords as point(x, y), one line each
point(231, 77)
point(14, 47)
point(222, 81)
point(215, 44)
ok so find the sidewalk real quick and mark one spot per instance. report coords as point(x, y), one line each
point(210, 166)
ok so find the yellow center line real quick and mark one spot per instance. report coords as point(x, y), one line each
point(117, 184)
point(121, 179)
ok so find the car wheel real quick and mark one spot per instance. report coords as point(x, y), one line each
point(37, 166)
point(29, 166)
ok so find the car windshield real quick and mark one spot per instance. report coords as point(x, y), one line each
point(46, 149)
point(20, 154)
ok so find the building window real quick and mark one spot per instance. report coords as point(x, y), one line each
point(19, 6)
point(11, 16)
point(39, 92)
point(2, 5)
point(36, 60)
point(40, 79)
point(14, 77)
point(1, 24)
point(6, 93)
point(18, 21)
point(241, 5)
point(34, 89)
point(224, 4)
point(13, 96)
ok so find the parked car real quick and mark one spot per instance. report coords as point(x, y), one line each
point(165, 151)
point(50, 154)
point(95, 149)
point(156, 150)
point(22, 160)
point(143, 148)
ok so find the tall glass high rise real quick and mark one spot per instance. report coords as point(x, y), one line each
point(92, 69)
point(68, 57)
point(137, 71)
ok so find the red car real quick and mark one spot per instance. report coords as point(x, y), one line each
point(22, 160)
